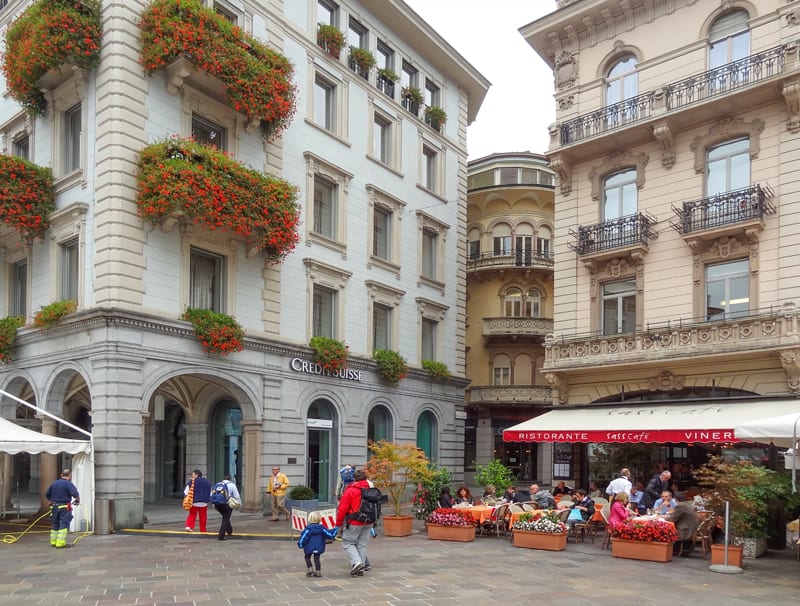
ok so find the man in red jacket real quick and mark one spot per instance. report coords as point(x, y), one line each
point(355, 534)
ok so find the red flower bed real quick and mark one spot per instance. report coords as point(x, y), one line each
point(48, 35)
point(258, 80)
point(648, 531)
point(26, 196)
point(450, 517)
point(203, 184)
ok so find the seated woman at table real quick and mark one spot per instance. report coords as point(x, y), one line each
point(619, 510)
point(489, 495)
point(463, 495)
point(583, 504)
point(595, 492)
point(665, 504)
point(445, 499)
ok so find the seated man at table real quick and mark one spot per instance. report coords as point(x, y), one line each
point(542, 498)
point(665, 504)
point(512, 496)
point(686, 521)
point(635, 500)
point(561, 489)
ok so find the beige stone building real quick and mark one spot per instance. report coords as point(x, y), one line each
point(676, 150)
point(509, 303)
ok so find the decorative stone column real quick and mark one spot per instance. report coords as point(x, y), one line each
point(251, 464)
point(48, 463)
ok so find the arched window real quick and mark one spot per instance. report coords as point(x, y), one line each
point(426, 434)
point(512, 307)
point(501, 240)
point(501, 370)
point(533, 301)
point(729, 38)
point(619, 194)
point(379, 424)
point(622, 80)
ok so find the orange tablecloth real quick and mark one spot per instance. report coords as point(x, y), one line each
point(480, 513)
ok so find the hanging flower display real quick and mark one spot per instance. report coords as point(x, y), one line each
point(392, 367)
point(258, 81)
point(217, 332)
point(8, 332)
point(47, 36)
point(199, 182)
point(26, 196)
point(49, 314)
point(329, 353)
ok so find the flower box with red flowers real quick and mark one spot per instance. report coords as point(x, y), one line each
point(218, 333)
point(26, 196)
point(450, 525)
point(329, 353)
point(659, 531)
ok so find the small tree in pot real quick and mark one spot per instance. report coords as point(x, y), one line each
point(302, 497)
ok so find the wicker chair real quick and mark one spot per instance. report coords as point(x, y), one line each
point(498, 522)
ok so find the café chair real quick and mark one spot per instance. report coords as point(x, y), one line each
point(605, 512)
point(529, 506)
point(702, 536)
point(497, 522)
point(563, 514)
point(515, 508)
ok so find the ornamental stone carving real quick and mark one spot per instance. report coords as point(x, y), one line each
point(666, 381)
point(565, 71)
point(790, 360)
point(725, 129)
point(616, 161)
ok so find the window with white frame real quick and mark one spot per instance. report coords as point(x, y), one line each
point(431, 249)
point(325, 103)
point(501, 240)
point(620, 194)
point(729, 38)
point(382, 139)
point(512, 303)
point(326, 305)
point(326, 217)
point(533, 303)
point(16, 137)
point(428, 338)
point(727, 289)
point(206, 280)
point(622, 80)
point(544, 242)
point(523, 248)
point(357, 35)
point(431, 315)
point(326, 12)
point(72, 137)
point(381, 326)
point(408, 75)
point(431, 93)
point(21, 147)
point(383, 301)
point(501, 370)
point(208, 133)
point(70, 267)
point(429, 175)
point(18, 288)
point(728, 167)
point(227, 11)
point(384, 57)
point(384, 242)
point(474, 249)
point(619, 307)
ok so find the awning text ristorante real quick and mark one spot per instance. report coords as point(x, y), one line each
point(597, 436)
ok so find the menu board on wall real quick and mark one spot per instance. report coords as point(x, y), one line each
point(562, 461)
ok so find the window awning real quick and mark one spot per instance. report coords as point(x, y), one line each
point(637, 423)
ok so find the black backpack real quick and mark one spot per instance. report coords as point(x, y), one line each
point(219, 494)
point(370, 509)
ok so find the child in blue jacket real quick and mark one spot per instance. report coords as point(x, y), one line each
point(312, 542)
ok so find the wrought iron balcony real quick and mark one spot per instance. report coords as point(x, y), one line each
point(410, 105)
point(739, 207)
point(502, 394)
point(629, 231)
point(724, 79)
point(522, 258)
point(385, 85)
point(359, 69)
point(517, 328)
point(608, 118)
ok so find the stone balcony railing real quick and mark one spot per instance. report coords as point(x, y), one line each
point(517, 327)
point(521, 259)
point(527, 394)
point(760, 330)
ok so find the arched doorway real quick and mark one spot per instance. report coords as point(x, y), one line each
point(320, 448)
point(172, 451)
point(379, 424)
point(225, 441)
point(426, 434)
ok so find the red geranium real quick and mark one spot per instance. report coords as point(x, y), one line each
point(26, 196)
point(655, 531)
point(217, 332)
point(450, 517)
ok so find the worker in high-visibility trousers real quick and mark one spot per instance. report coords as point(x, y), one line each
point(62, 494)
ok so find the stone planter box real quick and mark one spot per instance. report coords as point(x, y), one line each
point(463, 534)
point(540, 540)
point(641, 550)
point(753, 548)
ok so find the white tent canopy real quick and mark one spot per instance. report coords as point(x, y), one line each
point(15, 439)
point(782, 430)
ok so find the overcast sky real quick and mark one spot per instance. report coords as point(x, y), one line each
point(519, 106)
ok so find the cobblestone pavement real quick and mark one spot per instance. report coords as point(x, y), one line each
point(171, 566)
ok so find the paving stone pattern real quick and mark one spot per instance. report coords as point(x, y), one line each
point(180, 568)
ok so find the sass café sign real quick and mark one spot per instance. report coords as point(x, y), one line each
point(312, 368)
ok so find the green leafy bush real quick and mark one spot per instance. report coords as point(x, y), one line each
point(435, 369)
point(392, 367)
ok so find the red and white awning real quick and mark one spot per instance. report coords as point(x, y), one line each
point(637, 423)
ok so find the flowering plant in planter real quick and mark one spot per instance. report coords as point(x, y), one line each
point(649, 531)
point(217, 332)
point(412, 93)
point(8, 332)
point(48, 35)
point(361, 57)
point(48, 314)
point(547, 523)
point(257, 79)
point(329, 353)
point(388, 73)
point(203, 184)
point(450, 517)
point(392, 367)
point(26, 196)
point(331, 39)
point(435, 369)
point(435, 116)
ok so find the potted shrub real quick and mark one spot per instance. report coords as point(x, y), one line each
point(8, 332)
point(647, 540)
point(361, 61)
point(217, 332)
point(494, 473)
point(392, 467)
point(301, 497)
point(411, 98)
point(426, 495)
point(437, 370)
point(435, 116)
point(329, 353)
point(542, 531)
point(330, 39)
point(49, 35)
point(27, 196)
point(392, 367)
point(450, 525)
point(50, 314)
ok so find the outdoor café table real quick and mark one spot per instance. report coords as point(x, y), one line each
point(652, 518)
point(480, 513)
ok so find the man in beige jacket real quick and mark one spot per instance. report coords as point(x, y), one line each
point(276, 488)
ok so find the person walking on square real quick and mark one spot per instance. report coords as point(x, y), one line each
point(355, 534)
point(312, 542)
point(225, 527)
point(276, 488)
point(201, 493)
point(62, 494)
